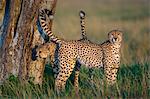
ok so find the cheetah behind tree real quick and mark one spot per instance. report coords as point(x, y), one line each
point(106, 55)
point(48, 49)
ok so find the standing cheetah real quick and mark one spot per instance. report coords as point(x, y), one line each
point(49, 49)
point(106, 55)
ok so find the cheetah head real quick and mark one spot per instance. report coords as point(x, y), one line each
point(115, 36)
point(42, 51)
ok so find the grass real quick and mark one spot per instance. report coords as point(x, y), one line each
point(133, 82)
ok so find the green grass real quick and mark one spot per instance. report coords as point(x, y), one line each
point(133, 82)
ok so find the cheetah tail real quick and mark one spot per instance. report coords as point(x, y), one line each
point(42, 18)
point(82, 23)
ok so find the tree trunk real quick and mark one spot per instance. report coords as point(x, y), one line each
point(19, 38)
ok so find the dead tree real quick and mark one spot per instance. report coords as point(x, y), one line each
point(19, 36)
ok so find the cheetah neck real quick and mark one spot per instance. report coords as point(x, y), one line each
point(118, 45)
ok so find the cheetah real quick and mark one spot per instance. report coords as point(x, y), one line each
point(91, 55)
point(49, 49)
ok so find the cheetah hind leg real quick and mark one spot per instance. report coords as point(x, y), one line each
point(76, 81)
point(66, 68)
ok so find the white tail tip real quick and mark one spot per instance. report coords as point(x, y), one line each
point(51, 17)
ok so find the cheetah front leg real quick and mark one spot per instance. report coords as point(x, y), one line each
point(66, 68)
point(110, 71)
point(111, 75)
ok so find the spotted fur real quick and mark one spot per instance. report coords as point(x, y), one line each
point(49, 49)
point(82, 24)
point(106, 55)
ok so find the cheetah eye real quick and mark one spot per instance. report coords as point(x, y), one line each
point(40, 51)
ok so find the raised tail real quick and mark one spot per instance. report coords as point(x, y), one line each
point(82, 23)
point(43, 14)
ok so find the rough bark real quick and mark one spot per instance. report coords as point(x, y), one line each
point(7, 33)
point(20, 36)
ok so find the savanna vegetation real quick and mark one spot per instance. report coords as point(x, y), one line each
point(133, 81)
